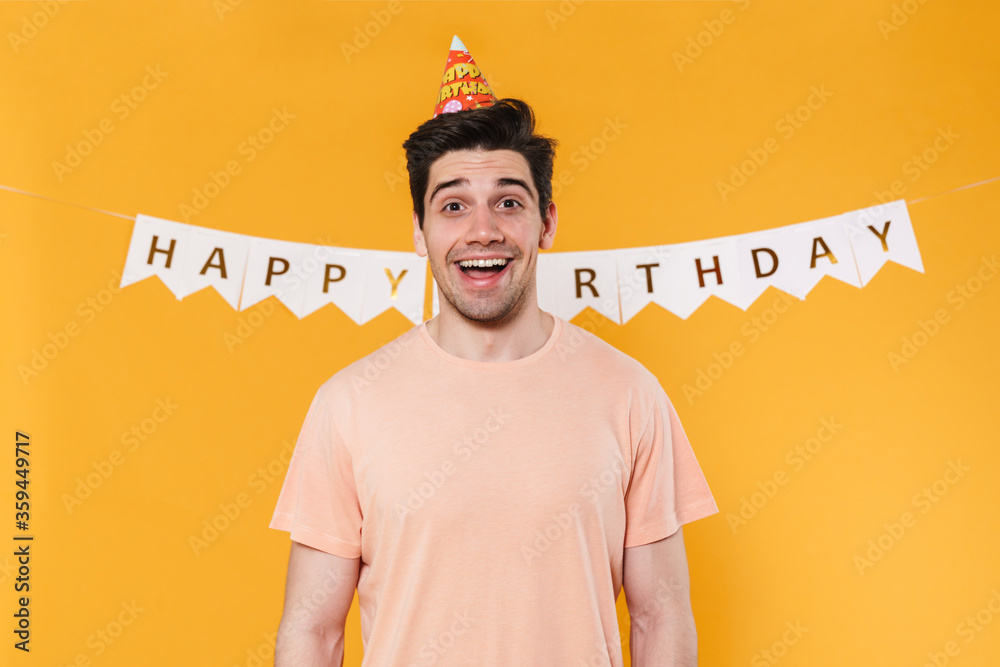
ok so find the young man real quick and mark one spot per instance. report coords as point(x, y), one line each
point(506, 473)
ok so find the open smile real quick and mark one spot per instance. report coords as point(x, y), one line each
point(483, 273)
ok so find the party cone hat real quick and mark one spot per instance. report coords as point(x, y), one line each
point(463, 86)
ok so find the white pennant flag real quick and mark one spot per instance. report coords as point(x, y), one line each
point(640, 274)
point(716, 269)
point(696, 270)
point(546, 267)
point(393, 280)
point(339, 279)
point(159, 248)
point(281, 269)
point(576, 280)
point(819, 248)
point(764, 260)
point(882, 233)
point(435, 298)
point(217, 259)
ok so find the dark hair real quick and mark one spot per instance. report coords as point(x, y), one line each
point(509, 124)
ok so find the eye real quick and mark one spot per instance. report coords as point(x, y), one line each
point(514, 203)
point(448, 206)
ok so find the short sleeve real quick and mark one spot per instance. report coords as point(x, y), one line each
point(667, 488)
point(318, 504)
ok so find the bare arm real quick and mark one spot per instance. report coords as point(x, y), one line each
point(318, 594)
point(657, 590)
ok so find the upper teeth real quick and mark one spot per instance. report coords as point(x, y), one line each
point(482, 262)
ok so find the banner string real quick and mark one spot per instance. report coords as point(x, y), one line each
point(948, 192)
point(132, 217)
point(67, 203)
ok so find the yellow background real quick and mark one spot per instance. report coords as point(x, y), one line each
point(334, 176)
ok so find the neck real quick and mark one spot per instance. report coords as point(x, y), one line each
point(514, 337)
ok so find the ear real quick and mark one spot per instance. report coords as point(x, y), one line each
point(418, 237)
point(548, 234)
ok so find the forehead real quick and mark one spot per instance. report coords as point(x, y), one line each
point(479, 168)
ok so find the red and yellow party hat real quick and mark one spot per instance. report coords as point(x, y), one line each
point(463, 86)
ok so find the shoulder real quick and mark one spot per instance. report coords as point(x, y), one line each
point(598, 350)
point(612, 364)
point(385, 361)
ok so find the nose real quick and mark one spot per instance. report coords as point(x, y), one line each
point(482, 226)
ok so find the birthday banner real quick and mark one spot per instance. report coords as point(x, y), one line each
point(245, 270)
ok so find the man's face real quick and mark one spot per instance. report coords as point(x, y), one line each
point(482, 205)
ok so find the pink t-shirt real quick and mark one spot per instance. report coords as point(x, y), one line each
point(490, 502)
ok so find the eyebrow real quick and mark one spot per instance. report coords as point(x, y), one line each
point(448, 184)
point(500, 183)
point(507, 182)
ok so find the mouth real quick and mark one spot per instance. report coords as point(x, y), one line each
point(484, 272)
